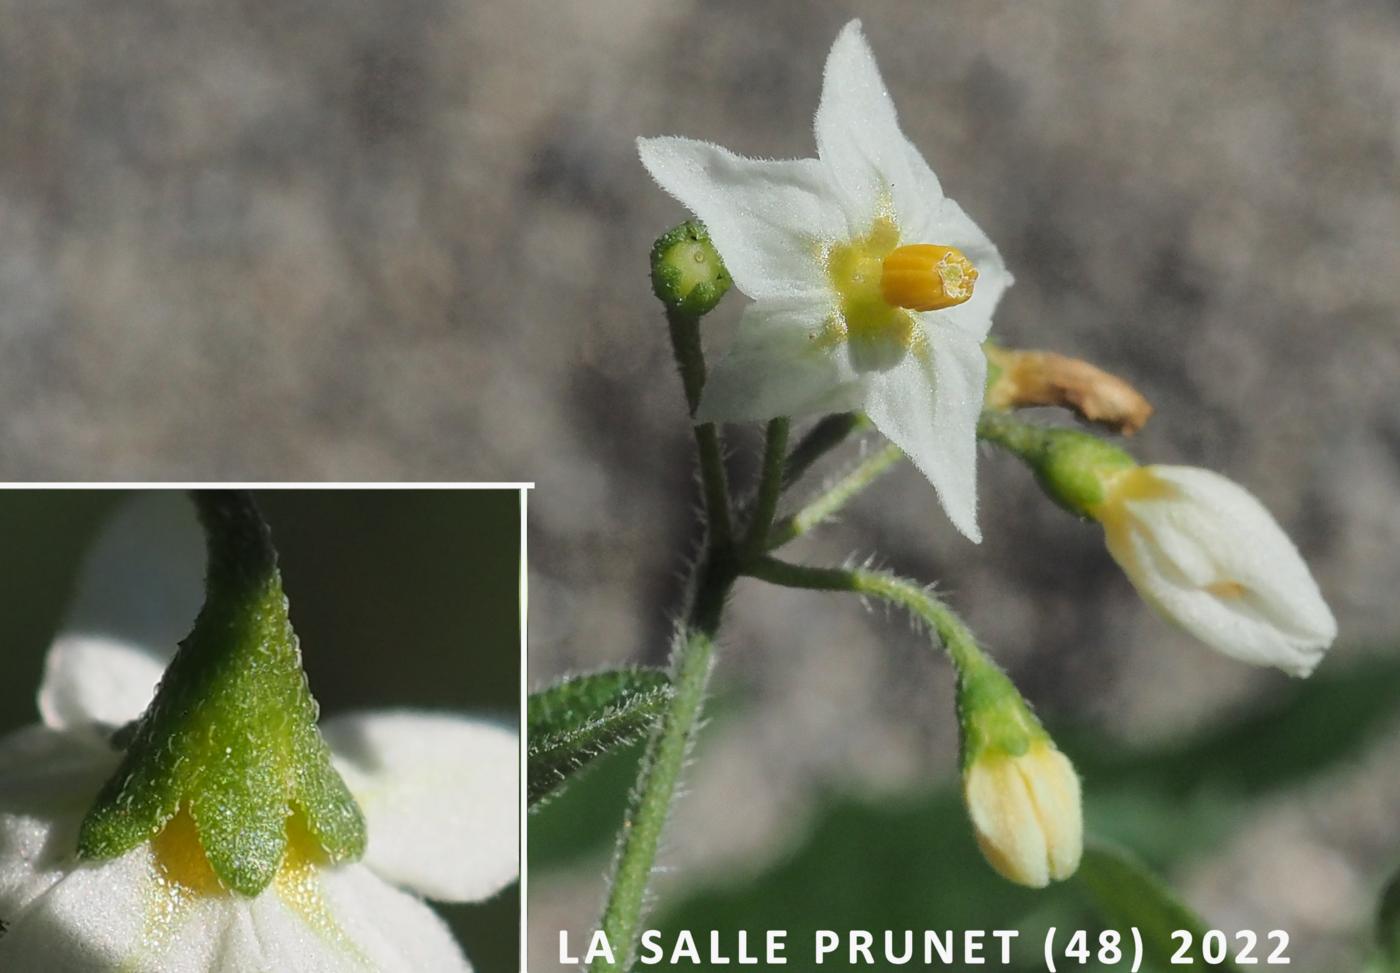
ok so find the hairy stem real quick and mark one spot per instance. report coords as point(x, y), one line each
point(690, 361)
point(829, 432)
point(691, 661)
point(770, 488)
point(650, 804)
point(1011, 434)
point(830, 502)
point(914, 598)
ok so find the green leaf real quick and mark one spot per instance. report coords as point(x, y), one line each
point(1127, 895)
point(1388, 926)
point(1309, 726)
point(1173, 799)
point(577, 720)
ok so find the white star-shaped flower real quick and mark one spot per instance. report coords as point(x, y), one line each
point(871, 289)
point(439, 793)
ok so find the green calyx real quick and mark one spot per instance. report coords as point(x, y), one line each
point(687, 273)
point(992, 714)
point(1073, 466)
point(231, 735)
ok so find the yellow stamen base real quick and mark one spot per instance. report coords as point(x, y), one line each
point(926, 277)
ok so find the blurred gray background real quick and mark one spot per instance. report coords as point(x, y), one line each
point(407, 240)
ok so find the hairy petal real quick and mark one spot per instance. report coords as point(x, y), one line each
point(859, 140)
point(928, 405)
point(47, 780)
point(781, 364)
point(116, 915)
point(768, 220)
point(440, 796)
point(343, 919)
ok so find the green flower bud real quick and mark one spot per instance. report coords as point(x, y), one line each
point(1073, 467)
point(687, 273)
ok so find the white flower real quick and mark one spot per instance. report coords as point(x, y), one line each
point(862, 274)
point(439, 793)
point(1204, 552)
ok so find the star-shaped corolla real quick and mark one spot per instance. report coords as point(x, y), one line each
point(871, 289)
point(439, 795)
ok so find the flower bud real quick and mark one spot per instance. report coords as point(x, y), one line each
point(1025, 811)
point(1022, 793)
point(1206, 554)
point(687, 273)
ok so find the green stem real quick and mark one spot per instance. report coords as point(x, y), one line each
point(829, 503)
point(690, 361)
point(770, 488)
point(650, 804)
point(691, 662)
point(829, 432)
point(1013, 435)
point(914, 598)
point(662, 765)
point(239, 544)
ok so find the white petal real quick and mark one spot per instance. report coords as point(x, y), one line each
point(768, 220)
point(92, 683)
point(440, 795)
point(116, 916)
point(948, 225)
point(928, 405)
point(47, 780)
point(780, 365)
point(859, 140)
point(1181, 546)
point(343, 919)
point(138, 594)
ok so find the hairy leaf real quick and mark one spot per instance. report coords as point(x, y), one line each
point(577, 720)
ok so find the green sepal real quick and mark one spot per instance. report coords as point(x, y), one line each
point(1071, 465)
point(231, 733)
point(687, 272)
point(992, 714)
point(577, 720)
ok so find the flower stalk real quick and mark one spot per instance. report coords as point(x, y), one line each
point(824, 436)
point(690, 362)
point(1021, 793)
point(834, 499)
point(770, 488)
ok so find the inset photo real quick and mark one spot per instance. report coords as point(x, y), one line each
point(266, 730)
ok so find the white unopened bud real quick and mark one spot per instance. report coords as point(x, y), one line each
point(1207, 555)
point(1025, 811)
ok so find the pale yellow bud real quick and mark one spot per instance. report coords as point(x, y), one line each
point(1026, 813)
